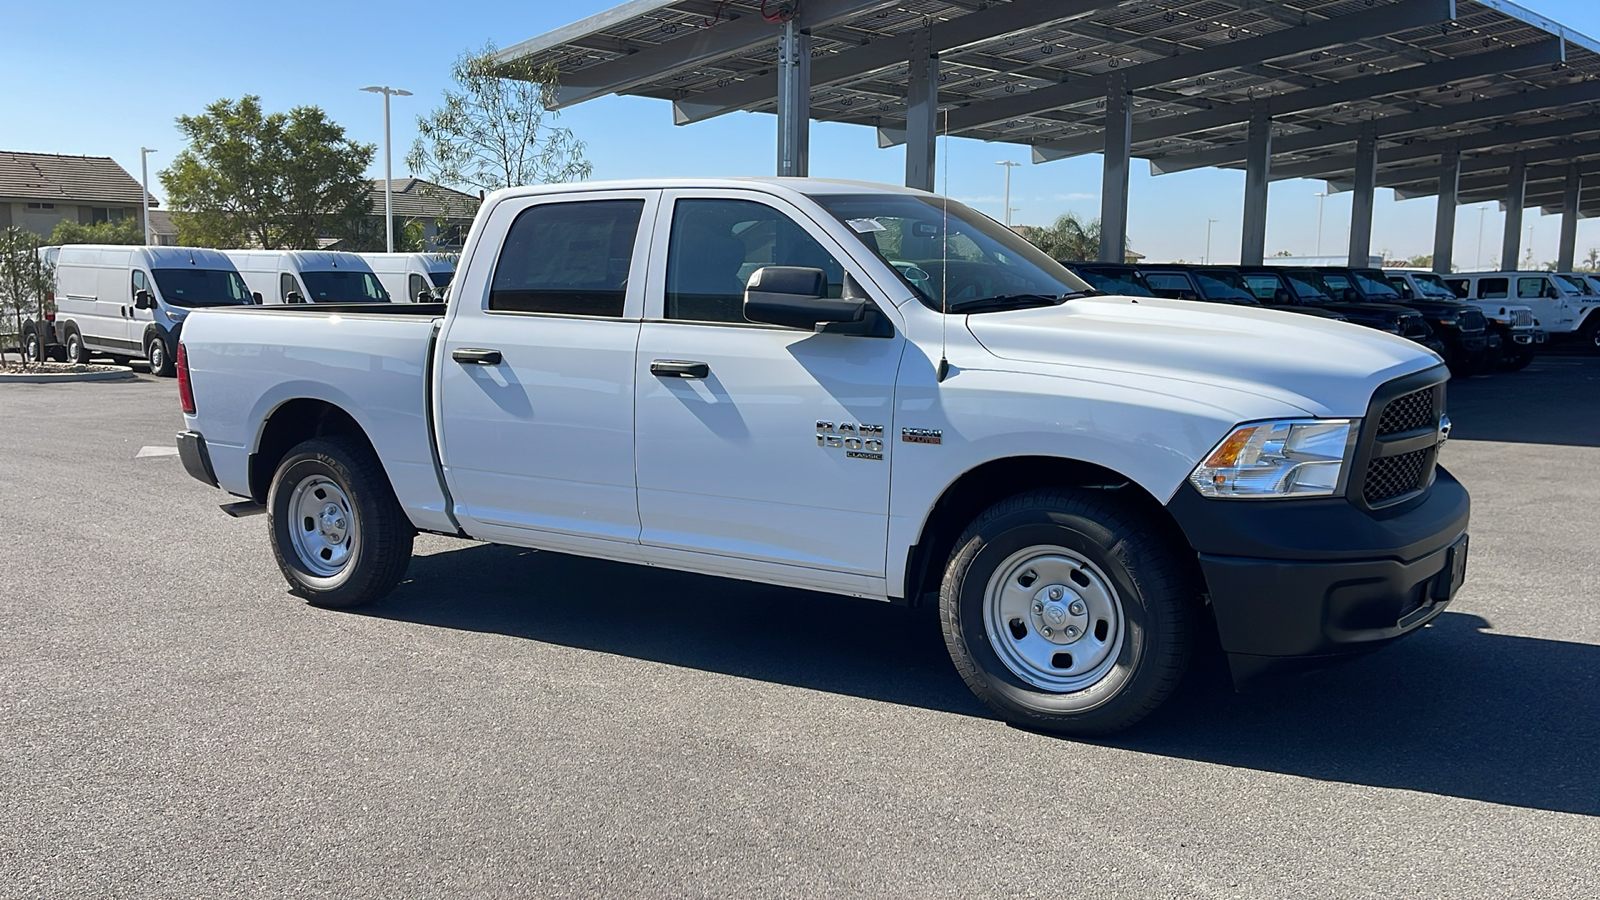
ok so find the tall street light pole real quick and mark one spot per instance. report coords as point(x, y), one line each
point(144, 173)
point(1321, 196)
point(1009, 166)
point(1209, 223)
point(388, 172)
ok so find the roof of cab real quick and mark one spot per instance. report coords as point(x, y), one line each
point(766, 184)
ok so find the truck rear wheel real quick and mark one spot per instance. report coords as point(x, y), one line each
point(338, 533)
point(1066, 612)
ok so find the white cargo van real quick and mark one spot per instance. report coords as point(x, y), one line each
point(406, 276)
point(308, 276)
point(126, 301)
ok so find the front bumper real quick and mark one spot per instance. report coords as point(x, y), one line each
point(1296, 584)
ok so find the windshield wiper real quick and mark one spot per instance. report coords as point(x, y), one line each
point(1017, 301)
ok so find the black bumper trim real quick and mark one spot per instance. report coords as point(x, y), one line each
point(196, 458)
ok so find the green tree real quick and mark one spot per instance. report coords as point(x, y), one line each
point(495, 129)
point(126, 231)
point(368, 236)
point(26, 284)
point(278, 180)
point(1070, 237)
point(1420, 261)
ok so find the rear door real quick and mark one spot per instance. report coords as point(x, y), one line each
point(536, 376)
point(777, 451)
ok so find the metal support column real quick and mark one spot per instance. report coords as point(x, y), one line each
point(1516, 193)
point(1114, 188)
point(794, 100)
point(1366, 189)
point(1257, 171)
point(922, 111)
point(1444, 224)
point(1568, 253)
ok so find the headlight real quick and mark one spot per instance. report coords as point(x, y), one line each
point(1450, 319)
point(1305, 458)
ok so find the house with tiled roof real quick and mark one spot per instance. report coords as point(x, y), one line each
point(37, 190)
point(445, 214)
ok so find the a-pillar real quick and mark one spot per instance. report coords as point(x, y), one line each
point(1258, 169)
point(922, 108)
point(1444, 226)
point(1516, 194)
point(1114, 188)
point(1366, 189)
point(794, 100)
point(1568, 253)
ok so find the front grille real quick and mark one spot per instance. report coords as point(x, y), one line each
point(1394, 476)
point(1472, 320)
point(1522, 318)
point(1413, 327)
point(1408, 413)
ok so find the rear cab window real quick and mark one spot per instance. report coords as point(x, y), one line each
point(567, 258)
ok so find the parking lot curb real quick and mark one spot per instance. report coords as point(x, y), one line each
point(118, 373)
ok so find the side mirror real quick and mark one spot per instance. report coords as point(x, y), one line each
point(425, 297)
point(256, 296)
point(1550, 293)
point(1349, 295)
point(796, 297)
point(143, 300)
point(1188, 295)
point(1281, 297)
point(294, 297)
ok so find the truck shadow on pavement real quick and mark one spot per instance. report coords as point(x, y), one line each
point(1550, 402)
point(1454, 710)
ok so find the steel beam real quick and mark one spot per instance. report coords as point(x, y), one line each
point(1423, 120)
point(1444, 223)
point(1369, 23)
point(1365, 192)
point(704, 45)
point(922, 109)
point(1511, 59)
point(1334, 165)
point(947, 38)
point(1516, 187)
point(1253, 246)
point(1570, 203)
point(794, 100)
point(1114, 187)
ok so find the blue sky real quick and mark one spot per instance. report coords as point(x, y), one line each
point(105, 78)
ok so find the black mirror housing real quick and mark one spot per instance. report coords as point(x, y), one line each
point(294, 297)
point(796, 297)
point(425, 297)
point(256, 297)
point(143, 300)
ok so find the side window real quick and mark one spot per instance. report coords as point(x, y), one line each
point(1493, 288)
point(1530, 288)
point(1404, 287)
point(567, 258)
point(1262, 287)
point(414, 287)
point(139, 283)
point(1171, 282)
point(285, 286)
point(1458, 286)
point(717, 244)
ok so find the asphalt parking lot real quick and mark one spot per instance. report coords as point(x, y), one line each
point(515, 723)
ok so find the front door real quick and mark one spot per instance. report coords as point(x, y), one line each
point(536, 383)
point(778, 449)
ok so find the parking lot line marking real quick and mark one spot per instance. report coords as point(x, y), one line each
point(156, 451)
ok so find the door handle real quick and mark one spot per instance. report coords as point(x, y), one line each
point(679, 368)
point(476, 357)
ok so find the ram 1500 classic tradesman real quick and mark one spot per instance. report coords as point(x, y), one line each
point(862, 390)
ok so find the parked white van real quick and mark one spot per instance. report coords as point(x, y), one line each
point(308, 276)
point(125, 301)
point(406, 276)
point(1559, 306)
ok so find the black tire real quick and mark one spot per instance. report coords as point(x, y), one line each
point(1591, 333)
point(77, 353)
point(379, 537)
point(32, 347)
point(159, 356)
point(1154, 591)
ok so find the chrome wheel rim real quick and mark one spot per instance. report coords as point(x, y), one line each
point(30, 351)
point(75, 349)
point(322, 525)
point(1054, 619)
point(156, 355)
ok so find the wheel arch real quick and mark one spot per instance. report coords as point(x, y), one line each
point(984, 485)
point(286, 426)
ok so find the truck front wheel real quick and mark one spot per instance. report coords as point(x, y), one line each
point(1067, 612)
point(338, 533)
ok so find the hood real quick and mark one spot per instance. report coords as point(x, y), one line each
point(1322, 367)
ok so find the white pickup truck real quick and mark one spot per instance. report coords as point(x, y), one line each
point(862, 390)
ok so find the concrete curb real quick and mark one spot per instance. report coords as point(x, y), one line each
point(121, 373)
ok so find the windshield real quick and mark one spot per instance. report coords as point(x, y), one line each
point(344, 287)
point(975, 262)
point(1125, 283)
point(441, 279)
point(1432, 286)
point(1577, 285)
point(1376, 289)
point(1225, 287)
point(201, 287)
